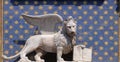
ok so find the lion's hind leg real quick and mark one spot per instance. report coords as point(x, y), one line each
point(27, 49)
point(39, 54)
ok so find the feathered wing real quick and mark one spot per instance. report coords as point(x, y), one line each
point(46, 23)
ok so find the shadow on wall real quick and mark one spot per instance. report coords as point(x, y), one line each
point(59, 2)
point(118, 8)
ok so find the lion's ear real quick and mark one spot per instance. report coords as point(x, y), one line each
point(75, 20)
point(65, 22)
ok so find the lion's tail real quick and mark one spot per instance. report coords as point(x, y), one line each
point(11, 57)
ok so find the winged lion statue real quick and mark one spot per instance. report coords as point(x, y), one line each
point(50, 40)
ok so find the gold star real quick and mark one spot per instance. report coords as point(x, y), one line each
point(85, 43)
point(90, 38)
point(106, 12)
point(105, 2)
point(35, 12)
point(40, 7)
point(21, 7)
point(16, 2)
point(101, 38)
point(31, 26)
point(90, 7)
point(20, 17)
point(101, 17)
point(100, 58)
point(115, 43)
point(16, 12)
point(101, 48)
point(55, 2)
point(111, 7)
point(6, 22)
point(105, 22)
point(6, 31)
point(106, 43)
point(105, 53)
point(111, 28)
point(35, 2)
point(31, 7)
point(16, 22)
point(85, 12)
point(6, 52)
point(16, 31)
point(95, 2)
point(90, 17)
point(64, 12)
point(11, 36)
point(106, 32)
point(111, 37)
point(44, 2)
point(26, 2)
point(50, 7)
point(80, 38)
point(111, 17)
point(6, 41)
point(26, 31)
point(84, 2)
point(100, 7)
point(10, 17)
point(6, 12)
point(80, 27)
point(60, 7)
point(79, 7)
point(96, 42)
point(11, 27)
point(101, 27)
point(95, 33)
point(80, 17)
point(11, 46)
point(55, 12)
point(21, 26)
point(111, 58)
point(95, 53)
point(95, 12)
point(74, 2)
point(69, 7)
point(85, 33)
point(21, 46)
point(6, 2)
point(111, 48)
point(74, 12)
point(26, 12)
point(45, 12)
point(90, 27)
point(64, 2)
point(95, 22)
point(21, 36)
point(85, 22)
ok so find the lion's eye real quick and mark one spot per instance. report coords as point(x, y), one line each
point(69, 26)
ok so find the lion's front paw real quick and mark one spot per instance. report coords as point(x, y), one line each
point(61, 60)
point(24, 60)
point(42, 60)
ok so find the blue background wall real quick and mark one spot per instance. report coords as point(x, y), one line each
point(97, 24)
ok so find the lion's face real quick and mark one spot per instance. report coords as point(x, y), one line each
point(71, 26)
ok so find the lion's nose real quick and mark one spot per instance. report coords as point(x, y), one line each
point(72, 32)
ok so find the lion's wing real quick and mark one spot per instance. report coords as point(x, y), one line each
point(46, 23)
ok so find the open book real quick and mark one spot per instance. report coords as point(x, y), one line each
point(82, 54)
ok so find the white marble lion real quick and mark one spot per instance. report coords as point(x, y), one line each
point(49, 40)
